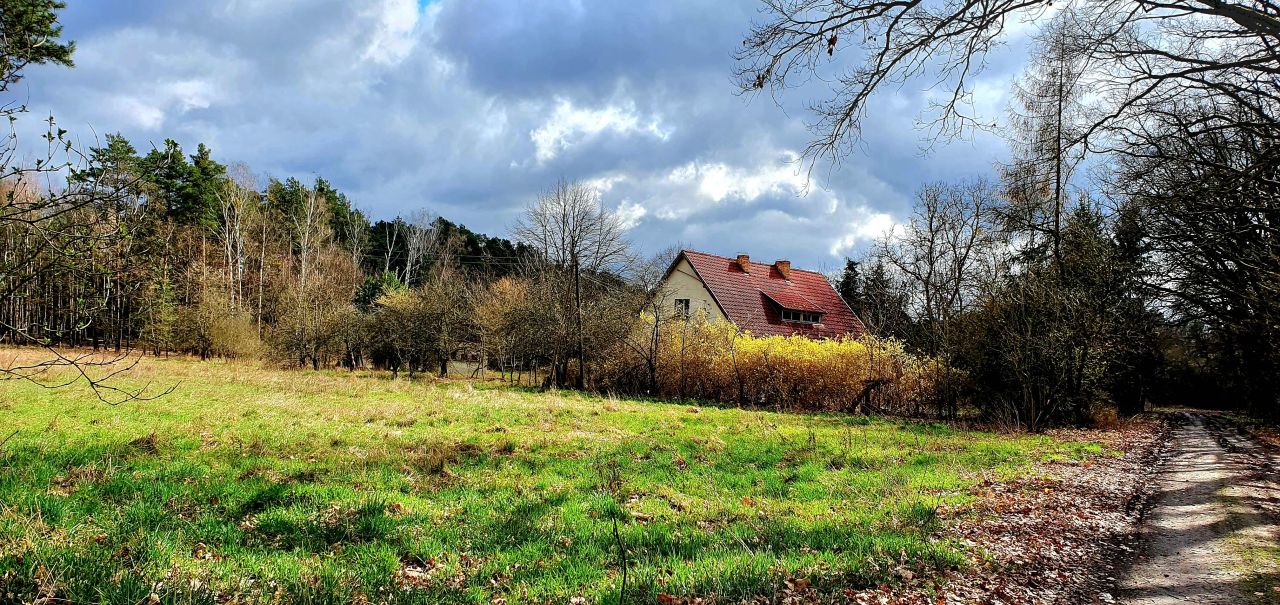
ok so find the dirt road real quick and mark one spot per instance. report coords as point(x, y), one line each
point(1212, 535)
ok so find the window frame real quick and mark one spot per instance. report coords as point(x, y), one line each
point(683, 307)
point(801, 317)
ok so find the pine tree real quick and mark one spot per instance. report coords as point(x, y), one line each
point(850, 285)
point(167, 169)
point(206, 178)
point(114, 165)
point(30, 35)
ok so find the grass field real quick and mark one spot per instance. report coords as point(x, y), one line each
point(260, 485)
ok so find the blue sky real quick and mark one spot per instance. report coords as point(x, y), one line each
point(469, 108)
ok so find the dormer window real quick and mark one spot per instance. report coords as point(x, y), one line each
point(804, 317)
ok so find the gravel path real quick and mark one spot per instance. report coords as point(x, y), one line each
point(1209, 537)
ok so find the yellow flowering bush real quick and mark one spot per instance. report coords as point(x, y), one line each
point(714, 360)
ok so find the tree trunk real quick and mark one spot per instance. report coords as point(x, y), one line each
point(577, 299)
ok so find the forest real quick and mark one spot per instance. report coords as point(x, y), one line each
point(185, 254)
point(1124, 255)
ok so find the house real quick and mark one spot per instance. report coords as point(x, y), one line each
point(763, 299)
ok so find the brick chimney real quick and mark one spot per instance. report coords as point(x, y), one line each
point(744, 263)
point(783, 267)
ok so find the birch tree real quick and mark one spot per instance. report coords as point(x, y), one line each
point(311, 231)
point(237, 201)
point(420, 240)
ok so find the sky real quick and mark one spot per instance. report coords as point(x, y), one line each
point(470, 108)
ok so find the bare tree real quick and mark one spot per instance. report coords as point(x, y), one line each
point(392, 235)
point(447, 298)
point(312, 232)
point(1142, 50)
point(946, 252)
point(312, 314)
point(574, 232)
point(657, 310)
point(502, 329)
point(420, 241)
point(237, 200)
point(262, 264)
point(1204, 184)
point(356, 234)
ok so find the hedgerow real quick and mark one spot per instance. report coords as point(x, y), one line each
point(714, 360)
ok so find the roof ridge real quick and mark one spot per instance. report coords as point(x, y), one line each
point(818, 273)
point(754, 262)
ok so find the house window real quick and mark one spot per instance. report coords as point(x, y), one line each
point(682, 307)
point(803, 317)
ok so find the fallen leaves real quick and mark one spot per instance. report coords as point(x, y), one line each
point(1051, 537)
point(415, 574)
point(667, 599)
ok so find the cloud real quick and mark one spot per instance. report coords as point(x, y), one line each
point(136, 112)
point(869, 226)
point(630, 213)
point(762, 205)
point(393, 35)
point(569, 126)
point(470, 108)
point(718, 181)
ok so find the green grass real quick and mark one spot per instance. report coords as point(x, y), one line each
point(292, 486)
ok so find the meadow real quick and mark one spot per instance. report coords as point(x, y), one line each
point(254, 484)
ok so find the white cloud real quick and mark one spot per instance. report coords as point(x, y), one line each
point(630, 213)
point(570, 125)
point(150, 112)
point(190, 94)
point(717, 182)
point(137, 113)
point(394, 34)
point(604, 184)
point(768, 206)
point(868, 227)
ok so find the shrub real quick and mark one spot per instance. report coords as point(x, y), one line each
point(210, 328)
point(235, 335)
point(713, 360)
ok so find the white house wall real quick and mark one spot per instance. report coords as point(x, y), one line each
point(683, 282)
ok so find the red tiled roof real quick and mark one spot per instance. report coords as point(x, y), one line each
point(753, 300)
point(792, 300)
